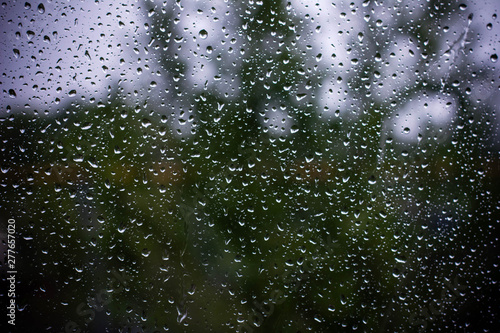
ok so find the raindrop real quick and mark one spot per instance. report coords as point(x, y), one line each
point(300, 96)
point(12, 93)
point(27, 5)
point(78, 158)
point(30, 34)
point(203, 34)
point(146, 123)
point(86, 126)
point(16, 53)
point(318, 318)
point(406, 130)
point(41, 8)
point(146, 252)
point(494, 58)
point(72, 93)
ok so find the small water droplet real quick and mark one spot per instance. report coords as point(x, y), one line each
point(300, 96)
point(78, 158)
point(203, 34)
point(406, 130)
point(146, 253)
point(16, 53)
point(146, 123)
point(318, 318)
point(27, 5)
point(86, 126)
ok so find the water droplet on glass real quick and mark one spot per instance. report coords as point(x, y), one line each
point(300, 96)
point(12, 93)
point(203, 34)
point(146, 253)
point(86, 126)
point(41, 8)
point(16, 53)
point(78, 158)
point(494, 57)
point(27, 5)
point(406, 130)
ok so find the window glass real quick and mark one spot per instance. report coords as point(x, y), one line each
point(250, 166)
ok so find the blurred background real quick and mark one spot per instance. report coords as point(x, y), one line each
point(251, 166)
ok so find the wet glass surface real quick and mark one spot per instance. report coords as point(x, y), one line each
point(253, 166)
